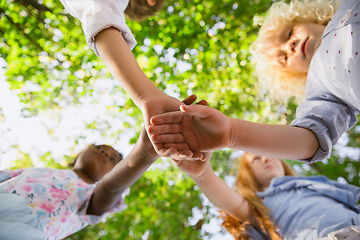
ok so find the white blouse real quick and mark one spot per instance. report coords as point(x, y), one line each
point(333, 81)
point(97, 15)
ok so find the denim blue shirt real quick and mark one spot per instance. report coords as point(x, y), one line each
point(333, 81)
point(306, 208)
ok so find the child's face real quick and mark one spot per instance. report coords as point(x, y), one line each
point(96, 161)
point(265, 169)
point(294, 45)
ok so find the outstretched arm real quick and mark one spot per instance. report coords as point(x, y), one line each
point(215, 189)
point(207, 129)
point(278, 141)
point(122, 64)
point(122, 176)
point(107, 33)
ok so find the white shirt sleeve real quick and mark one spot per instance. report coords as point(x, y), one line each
point(328, 118)
point(97, 15)
point(333, 81)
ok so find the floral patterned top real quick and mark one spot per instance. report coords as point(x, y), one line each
point(59, 198)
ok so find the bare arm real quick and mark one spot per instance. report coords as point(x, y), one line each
point(122, 176)
point(215, 189)
point(207, 129)
point(123, 66)
point(223, 197)
point(280, 141)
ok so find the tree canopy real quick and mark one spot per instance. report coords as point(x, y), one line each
point(192, 46)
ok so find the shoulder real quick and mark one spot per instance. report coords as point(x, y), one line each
point(347, 13)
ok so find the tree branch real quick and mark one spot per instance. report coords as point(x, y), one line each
point(22, 31)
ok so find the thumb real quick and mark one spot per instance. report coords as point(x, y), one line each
point(177, 162)
point(200, 111)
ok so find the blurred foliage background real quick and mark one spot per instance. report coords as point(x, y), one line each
point(191, 46)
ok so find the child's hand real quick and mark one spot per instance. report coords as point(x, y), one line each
point(161, 104)
point(158, 104)
point(144, 140)
point(145, 147)
point(200, 128)
point(195, 169)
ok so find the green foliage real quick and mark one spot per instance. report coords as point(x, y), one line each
point(50, 65)
point(45, 48)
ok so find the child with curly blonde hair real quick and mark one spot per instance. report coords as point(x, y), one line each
point(282, 72)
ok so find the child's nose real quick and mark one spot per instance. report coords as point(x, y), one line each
point(292, 44)
point(103, 151)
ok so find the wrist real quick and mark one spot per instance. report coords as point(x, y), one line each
point(144, 97)
point(232, 140)
point(208, 172)
point(145, 152)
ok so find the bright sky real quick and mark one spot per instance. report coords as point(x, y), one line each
point(32, 136)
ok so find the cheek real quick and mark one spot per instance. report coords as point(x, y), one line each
point(280, 170)
point(299, 64)
point(259, 175)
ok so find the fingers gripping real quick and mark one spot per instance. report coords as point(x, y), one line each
point(199, 110)
point(168, 138)
point(180, 151)
point(190, 99)
point(169, 117)
point(188, 156)
point(164, 129)
point(173, 153)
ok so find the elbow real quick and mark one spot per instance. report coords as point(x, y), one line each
point(240, 211)
point(306, 146)
point(312, 145)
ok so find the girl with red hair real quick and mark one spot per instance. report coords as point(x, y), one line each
point(270, 202)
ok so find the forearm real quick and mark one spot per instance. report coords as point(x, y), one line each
point(124, 174)
point(127, 172)
point(280, 141)
point(222, 196)
point(123, 66)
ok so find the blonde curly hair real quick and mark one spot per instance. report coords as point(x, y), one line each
point(273, 79)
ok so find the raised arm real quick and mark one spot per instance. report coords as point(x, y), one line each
point(207, 129)
point(215, 189)
point(128, 171)
point(122, 176)
point(106, 32)
point(122, 65)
